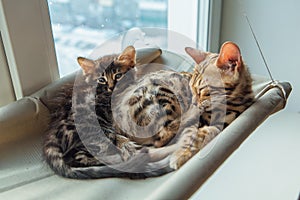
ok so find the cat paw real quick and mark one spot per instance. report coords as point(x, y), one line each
point(173, 163)
point(128, 149)
point(158, 143)
point(179, 158)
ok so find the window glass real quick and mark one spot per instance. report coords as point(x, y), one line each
point(80, 26)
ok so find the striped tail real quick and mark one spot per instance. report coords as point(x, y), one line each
point(139, 166)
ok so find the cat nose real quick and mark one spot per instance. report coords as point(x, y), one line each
point(110, 89)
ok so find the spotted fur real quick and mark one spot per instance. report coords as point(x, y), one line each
point(149, 111)
point(222, 88)
point(164, 112)
point(75, 146)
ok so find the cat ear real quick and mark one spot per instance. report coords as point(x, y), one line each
point(196, 54)
point(230, 56)
point(87, 65)
point(128, 56)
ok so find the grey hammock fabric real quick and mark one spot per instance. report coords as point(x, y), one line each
point(24, 174)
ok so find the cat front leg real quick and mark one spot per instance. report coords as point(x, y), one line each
point(157, 154)
point(167, 133)
point(126, 146)
point(193, 139)
point(176, 127)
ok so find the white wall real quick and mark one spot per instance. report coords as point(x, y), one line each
point(277, 26)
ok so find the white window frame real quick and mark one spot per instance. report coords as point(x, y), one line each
point(28, 44)
point(29, 47)
point(184, 24)
point(214, 25)
point(7, 93)
point(201, 21)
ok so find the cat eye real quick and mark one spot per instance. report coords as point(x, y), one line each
point(118, 76)
point(101, 80)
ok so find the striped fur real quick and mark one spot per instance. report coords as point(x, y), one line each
point(162, 111)
point(75, 146)
point(149, 111)
point(177, 113)
point(222, 87)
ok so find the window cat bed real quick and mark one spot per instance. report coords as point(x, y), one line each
point(24, 174)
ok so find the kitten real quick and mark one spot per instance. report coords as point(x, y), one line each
point(75, 145)
point(163, 111)
point(160, 111)
point(222, 86)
